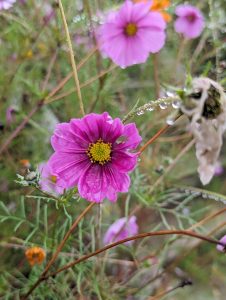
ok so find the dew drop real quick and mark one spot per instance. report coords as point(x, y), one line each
point(170, 121)
point(140, 112)
point(150, 108)
point(176, 104)
point(163, 105)
point(170, 94)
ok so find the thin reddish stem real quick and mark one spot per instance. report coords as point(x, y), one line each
point(138, 236)
point(162, 130)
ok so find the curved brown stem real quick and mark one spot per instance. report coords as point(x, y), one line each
point(138, 236)
point(162, 130)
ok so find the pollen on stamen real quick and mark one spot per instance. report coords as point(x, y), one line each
point(130, 29)
point(99, 152)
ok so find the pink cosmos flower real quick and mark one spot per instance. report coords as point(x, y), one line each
point(190, 21)
point(6, 4)
point(121, 229)
point(94, 154)
point(129, 35)
point(48, 181)
point(219, 247)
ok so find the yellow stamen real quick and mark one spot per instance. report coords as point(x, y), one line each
point(131, 29)
point(53, 179)
point(99, 152)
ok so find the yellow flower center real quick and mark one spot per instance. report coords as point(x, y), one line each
point(99, 152)
point(131, 29)
point(53, 179)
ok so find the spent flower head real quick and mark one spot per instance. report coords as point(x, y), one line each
point(206, 107)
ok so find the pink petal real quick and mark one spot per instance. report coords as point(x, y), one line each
point(65, 140)
point(124, 162)
point(69, 167)
point(133, 138)
point(125, 12)
point(154, 39)
point(153, 20)
point(140, 10)
point(119, 181)
point(92, 184)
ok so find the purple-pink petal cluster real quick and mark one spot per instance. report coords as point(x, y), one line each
point(49, 182)
point(131, 34)
point(219, 169)
point(220, 247)
point(6, 4)
point(121, 229)
point(9, 115)
point(190, 21)
point(94, 153)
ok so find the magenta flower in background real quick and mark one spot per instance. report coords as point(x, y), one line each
point(9, 115)
point(131, 34)
point(219, 169)
point(190, 21)
point(6, 4)
point(48, 181)
point(49, 13)
point(93, 153)
point(121, 229)
point(222, 240)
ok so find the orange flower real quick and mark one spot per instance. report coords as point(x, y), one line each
point(160, 6)
point(35, 255)
point(25, 163)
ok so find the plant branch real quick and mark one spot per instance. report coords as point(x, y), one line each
point(40, 104)
point(152, 139)
point(138, 236)
point(73, 64)
point(156, 75)
point(86, 83)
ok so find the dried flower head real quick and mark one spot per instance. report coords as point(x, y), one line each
point(94, 153)
point(206, 107)
point(190, 21)
point(121, 229)
point(131, 34)
point(35, 255)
